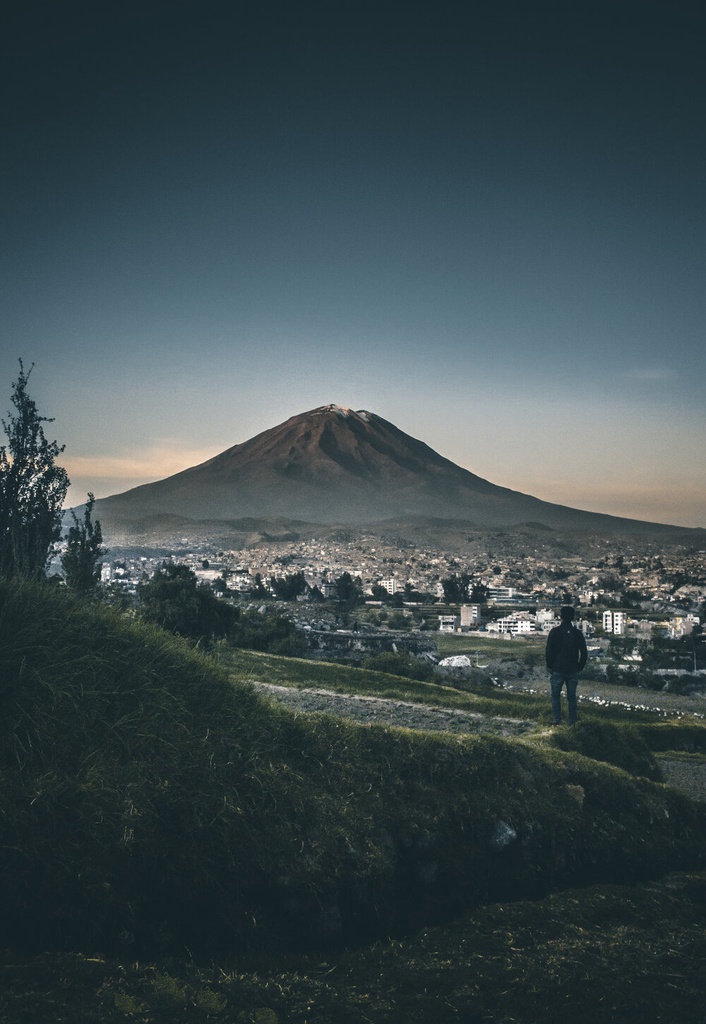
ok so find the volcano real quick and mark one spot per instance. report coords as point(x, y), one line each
point(332, 465)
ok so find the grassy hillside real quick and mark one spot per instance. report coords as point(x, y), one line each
point(151, 804)
point(627, 738)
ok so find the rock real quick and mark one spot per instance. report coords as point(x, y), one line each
point(455, 662)
point(503, 835)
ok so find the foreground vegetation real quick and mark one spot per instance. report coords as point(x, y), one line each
point(604, 953)
point(156, 811)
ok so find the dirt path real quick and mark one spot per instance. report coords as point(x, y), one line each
point(687, 775)
point(394, 712)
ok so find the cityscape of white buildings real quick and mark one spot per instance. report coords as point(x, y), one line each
point(665, 590)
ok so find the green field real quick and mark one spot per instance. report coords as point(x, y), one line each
point(491, 647)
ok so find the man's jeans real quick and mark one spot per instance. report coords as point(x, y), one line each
point(557, 680)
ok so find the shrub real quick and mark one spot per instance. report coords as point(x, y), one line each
point(398, 620)
point(174, 600)
point(269, 632)
point(622, 745)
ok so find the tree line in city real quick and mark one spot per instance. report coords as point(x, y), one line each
point(175, 600)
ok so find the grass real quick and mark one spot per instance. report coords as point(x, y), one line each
point(491, 648)
point(152, 804)
point(252, 665)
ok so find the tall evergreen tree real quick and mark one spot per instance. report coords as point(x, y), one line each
point(80, 561)
point(349, 589)
point(32, 488)
point(456, 588)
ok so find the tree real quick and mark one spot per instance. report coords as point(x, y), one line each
point(258, 588)
point(349, 589)
point(220, 585)
point(80, 561)
point(270, 632)
point(32, 488)
point(174, 600)
point(288, 588)
point(458, 588)
point(479, 592)
point(455, 588)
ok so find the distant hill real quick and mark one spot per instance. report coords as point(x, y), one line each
point(333, 466)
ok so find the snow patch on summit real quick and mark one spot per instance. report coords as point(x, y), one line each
point(338, 409)
point(345, 412)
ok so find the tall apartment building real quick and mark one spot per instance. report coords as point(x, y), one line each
point(470, 616)
point(615, 622)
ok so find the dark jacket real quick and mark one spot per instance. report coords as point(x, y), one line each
point(566, 649)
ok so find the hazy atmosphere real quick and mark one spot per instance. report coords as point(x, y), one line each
point(483, 222)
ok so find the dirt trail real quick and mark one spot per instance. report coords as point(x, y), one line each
point(384, 711)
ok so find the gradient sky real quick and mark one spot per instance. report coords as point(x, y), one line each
point(485, 222)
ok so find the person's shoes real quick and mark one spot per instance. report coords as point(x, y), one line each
point(556, 723)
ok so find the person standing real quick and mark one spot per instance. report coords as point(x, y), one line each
point(566, 656)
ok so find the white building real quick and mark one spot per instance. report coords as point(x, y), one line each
point(546, 619)
point(521, 623)
point(448, 623)
point(615, 622)
point(682, 625)
point(501, 593)
point(240, 583)
point(390, 586)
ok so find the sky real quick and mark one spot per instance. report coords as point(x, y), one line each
point(485, 222)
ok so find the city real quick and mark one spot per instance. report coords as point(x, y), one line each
point(629, 598)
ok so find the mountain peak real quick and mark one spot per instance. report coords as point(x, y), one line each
point(334, 465)
point(341, 410)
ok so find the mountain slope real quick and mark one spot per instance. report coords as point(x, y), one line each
point(333, 465)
